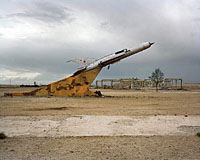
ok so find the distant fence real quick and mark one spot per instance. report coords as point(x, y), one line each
point(16, 86)
point(8, 86)
point(134, 83)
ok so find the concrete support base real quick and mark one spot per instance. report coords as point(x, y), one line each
point(75, 85)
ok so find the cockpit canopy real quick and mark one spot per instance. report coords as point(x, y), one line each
point(123, 50)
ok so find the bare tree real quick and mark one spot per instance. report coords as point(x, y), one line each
point(157, 76)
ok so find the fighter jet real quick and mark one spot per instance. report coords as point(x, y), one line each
point(89, 64)
point(78, 83)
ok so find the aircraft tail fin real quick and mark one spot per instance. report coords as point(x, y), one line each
point(83, 62)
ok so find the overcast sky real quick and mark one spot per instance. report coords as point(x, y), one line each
point(38, 36)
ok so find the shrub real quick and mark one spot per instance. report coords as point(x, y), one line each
point(198, 134)
point(2, 135)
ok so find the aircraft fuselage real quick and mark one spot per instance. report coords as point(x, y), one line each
point(117, 56)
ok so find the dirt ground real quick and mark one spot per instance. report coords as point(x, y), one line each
point(156, 147)
point(120, 103)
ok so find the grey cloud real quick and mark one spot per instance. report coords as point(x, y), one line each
point(176, 51)
point(197, 19)
point(47, 12)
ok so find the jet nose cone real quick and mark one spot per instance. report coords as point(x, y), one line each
point(151, 43)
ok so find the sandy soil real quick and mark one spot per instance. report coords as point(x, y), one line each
point(59, 126)
point(121, 103)
point(96, 148)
